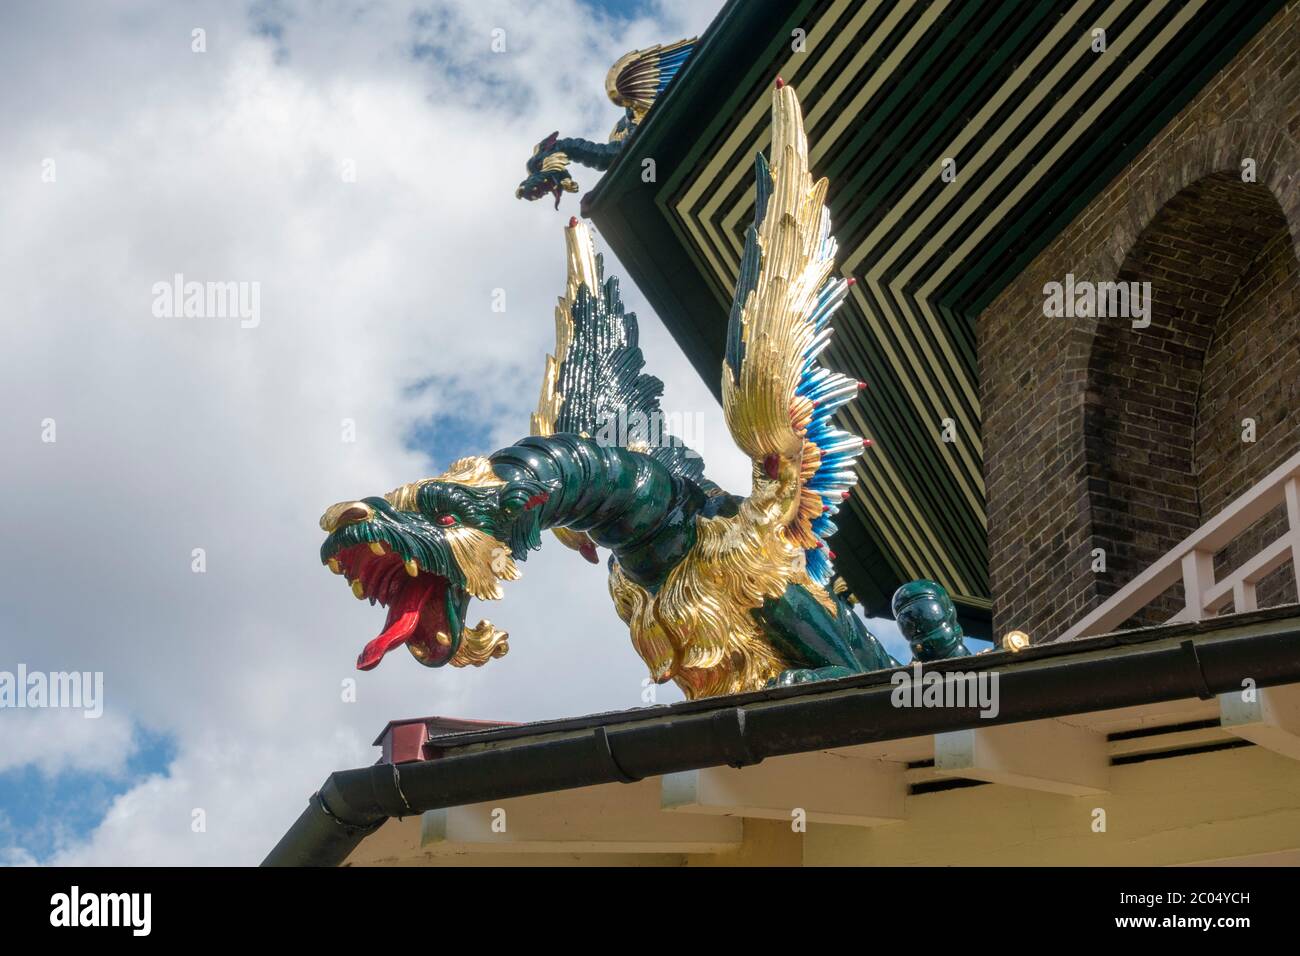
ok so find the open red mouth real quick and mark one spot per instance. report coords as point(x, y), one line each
point(417, 604)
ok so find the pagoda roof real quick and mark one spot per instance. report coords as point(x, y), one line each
point(1035, 123)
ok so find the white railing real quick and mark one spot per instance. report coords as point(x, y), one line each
point(1192, 561)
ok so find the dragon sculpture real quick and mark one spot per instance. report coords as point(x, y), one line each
point(634, 83)
point(721, 593)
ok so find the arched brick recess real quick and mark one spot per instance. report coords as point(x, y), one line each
point(1143, 463)
point(1201, 152)
point(1252, 371)
point(1034, 371)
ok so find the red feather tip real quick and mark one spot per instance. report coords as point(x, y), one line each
point(779, 82)
point(850, 281)
point(573, 221)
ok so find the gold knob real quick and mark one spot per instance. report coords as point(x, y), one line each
point(1015, 641)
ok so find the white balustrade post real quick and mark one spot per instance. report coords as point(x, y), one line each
point(1293, 521)
point(1243, 596)
point(1194, 557)
point(1198, 577)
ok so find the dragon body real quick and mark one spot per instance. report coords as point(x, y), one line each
point(633, 83)
point(721, 593)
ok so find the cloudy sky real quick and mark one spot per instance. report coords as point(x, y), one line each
point(357, 159)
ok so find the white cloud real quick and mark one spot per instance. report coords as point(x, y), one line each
point(58, 740)
point(175, 434)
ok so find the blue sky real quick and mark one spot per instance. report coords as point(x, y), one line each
point(227, 690)
point(41, 811)
point(627, 9)
point(131, 156)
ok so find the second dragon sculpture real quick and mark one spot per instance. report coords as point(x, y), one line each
point(635, 82)
point(721, 593)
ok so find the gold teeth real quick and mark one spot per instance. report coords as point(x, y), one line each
point(377, 547)
point(359, 590)
point(333, 565)
point(412, 568)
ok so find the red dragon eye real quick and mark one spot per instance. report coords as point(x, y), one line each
point(446, 520)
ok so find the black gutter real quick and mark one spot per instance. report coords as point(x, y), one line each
point(743, 730)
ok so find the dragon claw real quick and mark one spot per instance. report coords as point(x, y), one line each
point(806, 675)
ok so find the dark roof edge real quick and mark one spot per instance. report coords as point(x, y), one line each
point(993, 660)
point(354, 803)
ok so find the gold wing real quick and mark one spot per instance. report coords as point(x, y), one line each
point(594, 383)
point(582, 271)
point(639, 77)
point(778, 401)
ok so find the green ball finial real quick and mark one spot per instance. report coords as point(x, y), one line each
point(927, 619)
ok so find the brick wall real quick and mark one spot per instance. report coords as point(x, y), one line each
point(1098, 435)
point(1152, 432)
point(1252, 371)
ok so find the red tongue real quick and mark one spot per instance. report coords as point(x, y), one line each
point(403, 616)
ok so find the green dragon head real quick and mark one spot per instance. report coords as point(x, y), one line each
point(548, 173)
point(423, 550)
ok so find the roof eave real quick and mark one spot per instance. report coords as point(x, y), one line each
point(1120, 670)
